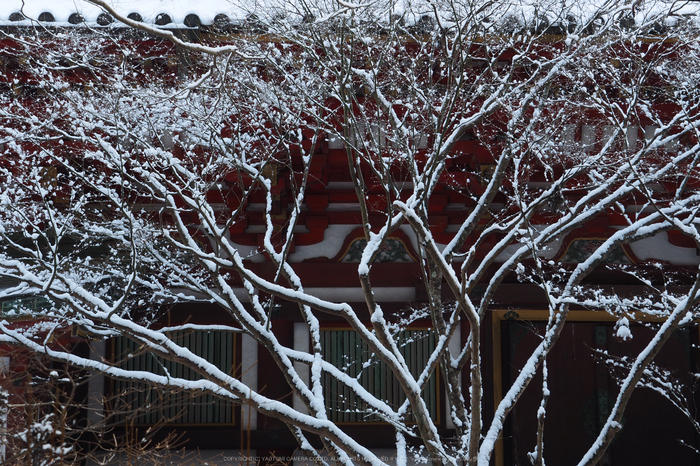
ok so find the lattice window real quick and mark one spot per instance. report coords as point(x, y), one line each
point(141, 403)
point(24, 304)
point(346, 350)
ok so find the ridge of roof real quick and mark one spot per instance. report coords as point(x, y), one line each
point(194, 13)
point(72, 12)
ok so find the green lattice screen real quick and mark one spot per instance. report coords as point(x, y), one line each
point(9, 307)
point(347, 351)
point(141, 403)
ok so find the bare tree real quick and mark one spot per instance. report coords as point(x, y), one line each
point(44, 422)
point(124, 186)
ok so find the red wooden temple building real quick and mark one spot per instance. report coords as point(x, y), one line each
point(325, 252)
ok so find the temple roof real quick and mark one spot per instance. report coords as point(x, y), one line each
point(195, 13)
point(65, 12)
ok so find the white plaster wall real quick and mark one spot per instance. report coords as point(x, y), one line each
point(249, 376)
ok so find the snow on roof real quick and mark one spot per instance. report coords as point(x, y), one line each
point(148, 10)
point(192, 13)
